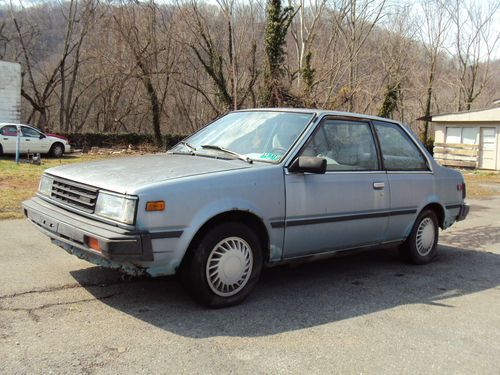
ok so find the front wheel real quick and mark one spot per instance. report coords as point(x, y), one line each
point(224, 266)
point(57, 150)
point(420, 247)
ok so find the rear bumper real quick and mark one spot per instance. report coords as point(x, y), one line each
point(464, 211)
point(71, 232)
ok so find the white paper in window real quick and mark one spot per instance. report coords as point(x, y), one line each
point(469, 136)
point(453, 135)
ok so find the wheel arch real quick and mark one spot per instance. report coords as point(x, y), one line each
point(245, 217)
point(438, 209)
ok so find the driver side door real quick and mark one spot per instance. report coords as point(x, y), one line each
point(346, 207)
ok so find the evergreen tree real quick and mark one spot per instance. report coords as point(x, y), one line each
point(308, 73)
point(390, 100)
point(277, 24)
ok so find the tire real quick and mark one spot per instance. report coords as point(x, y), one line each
point(223, 267)
point(421, 246)
point(57, 150)
point(1, 150)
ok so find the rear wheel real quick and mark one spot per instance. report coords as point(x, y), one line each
point(1, 150)
point(57, 150)
point(420, 247)
point(223, 266)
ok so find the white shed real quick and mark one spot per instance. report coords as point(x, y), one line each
point(10, 92)
point(468, 139)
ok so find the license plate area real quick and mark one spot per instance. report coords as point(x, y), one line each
point(49, 224)
point(44, 222)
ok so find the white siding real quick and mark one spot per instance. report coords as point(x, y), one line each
point(10, 92)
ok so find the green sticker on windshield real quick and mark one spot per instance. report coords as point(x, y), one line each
point(269, 156)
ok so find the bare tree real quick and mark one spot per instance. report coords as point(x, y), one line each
point(356, 22)
point(219, 63)
point(4, 39)
point(475, 41)
point(158, 67)
point(78, 25)
point(139, 27)
point(304, 30)
point(433, 33)
point(38, 84)
point(395, 56)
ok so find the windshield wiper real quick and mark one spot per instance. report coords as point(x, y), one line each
point(188, 145)
point(219, 148)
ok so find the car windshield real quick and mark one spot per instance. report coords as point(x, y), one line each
point(256, 135)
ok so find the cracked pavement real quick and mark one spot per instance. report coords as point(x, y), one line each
point(364, 313)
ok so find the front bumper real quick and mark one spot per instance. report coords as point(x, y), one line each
point(464, 211)
point(70, 231)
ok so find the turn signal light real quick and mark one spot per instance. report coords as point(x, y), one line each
point(155, 206)
point(93, 243)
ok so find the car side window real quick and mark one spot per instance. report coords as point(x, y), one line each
point(9, 130)
point(28, 132)
point(398, 151)
point(346, 145)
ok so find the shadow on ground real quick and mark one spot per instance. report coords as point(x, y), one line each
point(292, 298)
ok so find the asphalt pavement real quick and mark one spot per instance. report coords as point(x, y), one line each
point(367, 313)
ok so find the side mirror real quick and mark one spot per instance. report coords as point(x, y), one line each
point(308, 164)
point(42, 136)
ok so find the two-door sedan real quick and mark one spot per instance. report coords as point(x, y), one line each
point(254, 188)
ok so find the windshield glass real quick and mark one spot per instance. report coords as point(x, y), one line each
point(258, 135)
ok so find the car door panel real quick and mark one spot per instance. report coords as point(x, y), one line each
point(346, 207)
point(334, 211)
point(408, 192)
point(30, 140)
point(8, 134)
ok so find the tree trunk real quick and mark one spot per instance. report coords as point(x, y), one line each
point(155, 109)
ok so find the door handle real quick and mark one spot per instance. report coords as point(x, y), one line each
point(378, 185)
point(27, 140)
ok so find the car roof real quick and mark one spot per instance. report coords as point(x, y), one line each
point(319, 112)
point(14, 124)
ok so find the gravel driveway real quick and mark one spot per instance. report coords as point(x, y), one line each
point(366, 313)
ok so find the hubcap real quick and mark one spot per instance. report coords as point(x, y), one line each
point(229, 266)
point(426, 234)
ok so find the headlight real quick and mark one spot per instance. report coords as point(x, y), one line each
point(116, 207)
point(45, 186)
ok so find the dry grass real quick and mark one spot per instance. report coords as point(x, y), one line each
point(20, 182)
point(482, 183)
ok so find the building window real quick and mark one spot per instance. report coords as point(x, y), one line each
point(468, 136)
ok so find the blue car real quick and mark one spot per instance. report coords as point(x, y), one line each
point(254, 188)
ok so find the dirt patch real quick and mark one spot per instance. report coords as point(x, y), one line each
point(482, 184)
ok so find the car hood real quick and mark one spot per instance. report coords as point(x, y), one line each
point(56, 137)
point(127, 174)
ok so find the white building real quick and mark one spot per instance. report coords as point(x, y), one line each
point(468, 139)
point(10, 92)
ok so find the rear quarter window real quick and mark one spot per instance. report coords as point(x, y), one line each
point(9, 130)
point(399, 152)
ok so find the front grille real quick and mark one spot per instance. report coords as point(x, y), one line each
point(74, 194)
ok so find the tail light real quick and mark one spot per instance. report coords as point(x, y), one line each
point(461, 187)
